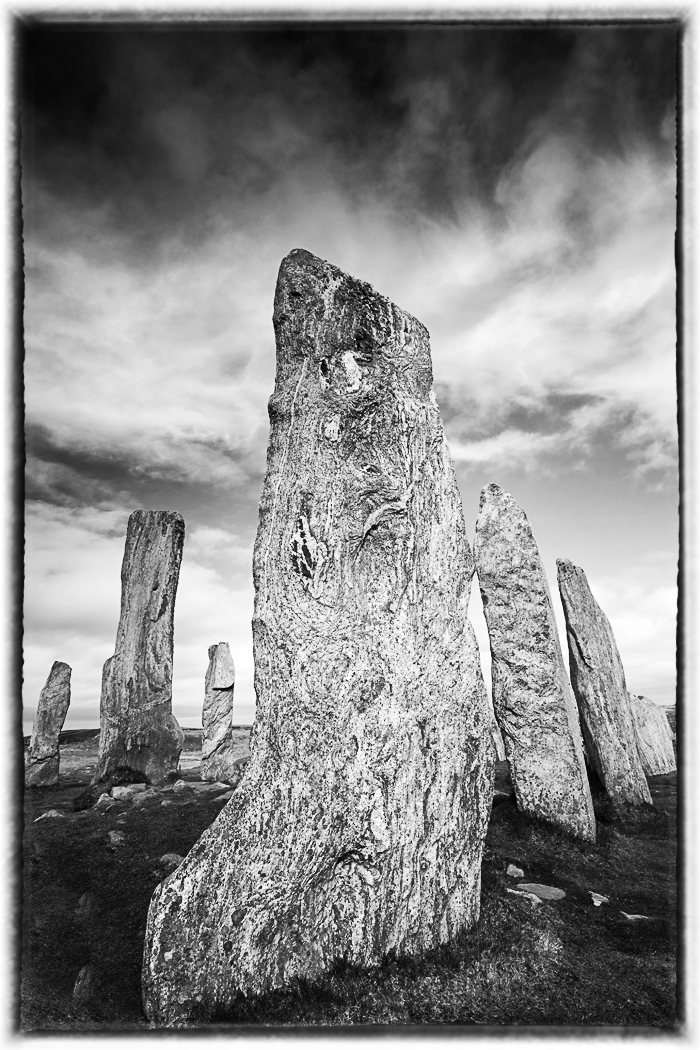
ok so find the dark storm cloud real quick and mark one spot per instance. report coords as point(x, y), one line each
point(164, 126)
point(514, 189)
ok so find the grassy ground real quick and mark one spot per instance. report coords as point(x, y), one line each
point(560, 962)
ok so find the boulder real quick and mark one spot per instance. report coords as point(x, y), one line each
point(532, 698)
point(358, 827)
point(598, 681)
point(42, 760)
point(137, 728)
point(654, 736)
point(218, 762)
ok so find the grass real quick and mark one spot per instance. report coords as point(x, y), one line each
point(559, 963)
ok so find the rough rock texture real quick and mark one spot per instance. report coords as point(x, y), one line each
point(359, 824)
point(654, 736)
point(137, 728)
point(218, 762)
point(598, 681)
point(532, 697)
point(498, 745)
point(42, 760)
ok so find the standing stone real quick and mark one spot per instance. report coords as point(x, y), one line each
point(359, 826)
point(598, 680)
point(218, 762)
point(137, 729)
point(532, 697)
point(41, 764)
point(654, 736)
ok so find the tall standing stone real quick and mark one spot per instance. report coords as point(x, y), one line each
point(598, 680)
point(358, 827)
point(218, 762)
point(654, 736)
point(532, 697)
point(42, 761)
point(137, 728)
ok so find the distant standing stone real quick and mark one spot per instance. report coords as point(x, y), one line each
point(42, 761)
point(598, 680)
point(654, 736)
point(532, 698)
point(217, 716)
point(137, 727)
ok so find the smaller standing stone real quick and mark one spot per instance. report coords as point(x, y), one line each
point(532, 699)
point(654, 736)
point(41, 766)
point(598, 681)
point(138, 731)
point(218, 762)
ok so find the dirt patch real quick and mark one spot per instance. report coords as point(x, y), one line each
point(563, 962)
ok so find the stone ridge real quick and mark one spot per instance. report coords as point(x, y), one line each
point(532, 698)
point(598, 681)
point(358, 827)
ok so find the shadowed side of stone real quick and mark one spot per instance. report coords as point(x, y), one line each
point(42, 760)
point(358, 827)
point(532, 697)
point(137, 728)
point(598, 681)
point(218, 760)
point(654, 736)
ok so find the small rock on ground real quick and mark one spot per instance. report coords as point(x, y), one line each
point(146, 796)
point(105, 801)
point(533, 898)
point(598, 899)
point(515, 873)
point(116, 838)
point(171, 861)
point(634, 918)
point(50, 813)
point(545, 893)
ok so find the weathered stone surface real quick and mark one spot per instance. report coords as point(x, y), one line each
point(359, 825)
point(498, 745)
point(654, 736)
point(42, 760)
point(218, 761)
point(137, 728)
point(532, 698)
point(598, 681)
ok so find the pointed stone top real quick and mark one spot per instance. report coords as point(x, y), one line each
point(323, 316)
point(492, 492)
point(567, 568)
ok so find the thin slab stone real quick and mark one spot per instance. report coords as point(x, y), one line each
point(138, 731)
point(218, 760)
point(598, 681)
point(42, 760)
point(532, 699)
point(358, 828)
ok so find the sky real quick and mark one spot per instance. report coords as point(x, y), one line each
point(513, 188)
